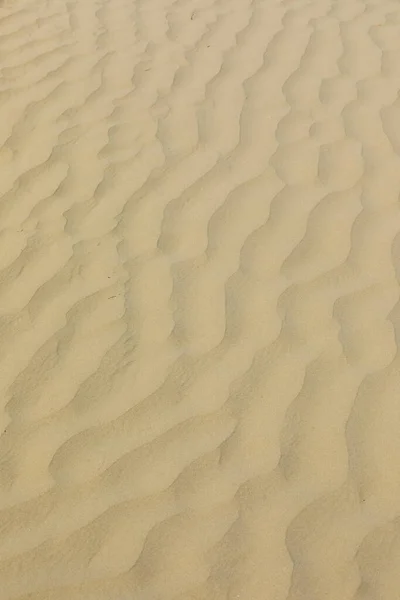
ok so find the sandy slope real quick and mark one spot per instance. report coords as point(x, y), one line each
point(199, 299)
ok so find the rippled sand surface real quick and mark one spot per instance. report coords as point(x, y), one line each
point(199, 300)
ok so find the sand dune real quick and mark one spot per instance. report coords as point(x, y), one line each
point(199, 300)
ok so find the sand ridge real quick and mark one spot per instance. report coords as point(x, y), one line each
point(199, 299)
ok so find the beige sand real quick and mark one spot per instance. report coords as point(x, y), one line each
point(199, 295)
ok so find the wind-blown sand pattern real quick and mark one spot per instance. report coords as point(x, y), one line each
point(199, 295)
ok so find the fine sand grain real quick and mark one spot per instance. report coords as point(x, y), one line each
point(199, 300)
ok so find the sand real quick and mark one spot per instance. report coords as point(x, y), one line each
point(199, 300)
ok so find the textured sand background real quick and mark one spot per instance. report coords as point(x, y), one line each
point(199, 296)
